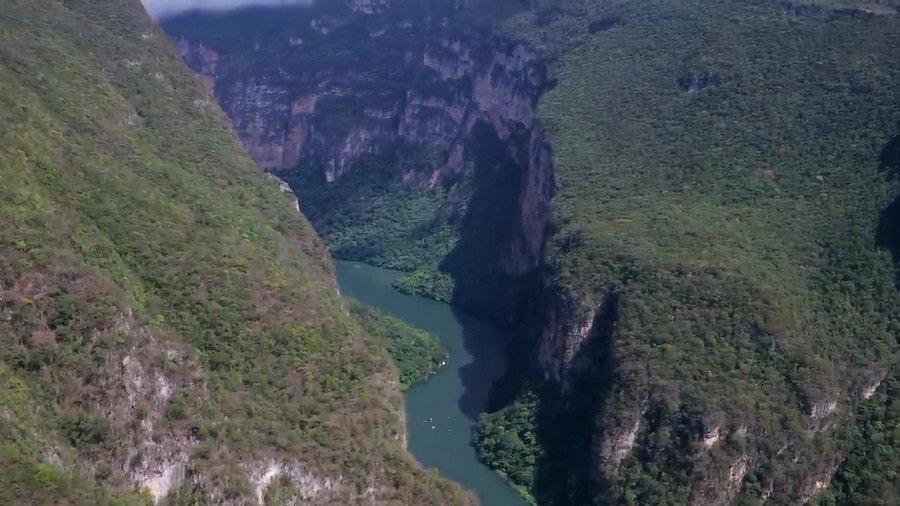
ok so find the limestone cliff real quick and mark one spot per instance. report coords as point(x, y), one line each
point(324, 91)
point(328, 115)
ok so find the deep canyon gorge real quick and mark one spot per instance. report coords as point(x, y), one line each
point(430, 97)
point(679, 219)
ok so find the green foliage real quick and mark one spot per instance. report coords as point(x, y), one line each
point(416, 353)
point(177, 408)
point(868, 473)
point(426, 282)
point(84, 430)
point(25, 480)
point(735, 221)
point(27, 477)
point(370, 215)
point(130, 217)
point(507, 441)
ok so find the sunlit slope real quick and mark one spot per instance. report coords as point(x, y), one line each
point(169, 321)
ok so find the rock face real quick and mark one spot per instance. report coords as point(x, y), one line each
point(238, 377)
point(327, 116)
point(466, 102)
point(697, 82)
point(340, 86)
point(368, 6)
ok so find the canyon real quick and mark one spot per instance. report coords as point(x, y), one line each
point(661, 375)
point(171, 327)
point(682, 217)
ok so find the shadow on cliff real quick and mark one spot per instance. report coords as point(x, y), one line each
point(887, 235)
point(567, 420)
point(484, 286)
point(478, 262)
point(487, 345)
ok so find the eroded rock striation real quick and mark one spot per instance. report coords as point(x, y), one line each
point(335, 87)
point(429, 86)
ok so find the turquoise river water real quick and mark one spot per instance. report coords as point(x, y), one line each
point(442, 411)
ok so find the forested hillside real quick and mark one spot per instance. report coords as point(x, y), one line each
point(366, 116)
point(170, 324)
point(417, 354)
point(719, 184)
point(685, 212)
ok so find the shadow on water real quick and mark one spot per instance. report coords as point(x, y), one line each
point(441, 412)
point(487, 347)
point(500, 369)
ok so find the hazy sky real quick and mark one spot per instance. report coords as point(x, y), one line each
point(160, 7)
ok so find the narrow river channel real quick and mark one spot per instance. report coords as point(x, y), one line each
point(442, 411)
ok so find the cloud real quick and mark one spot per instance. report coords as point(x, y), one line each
point(158, 8)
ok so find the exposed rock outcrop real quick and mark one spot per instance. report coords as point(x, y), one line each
point(329, 115)
point(701, 81)
point(368, 6)
point(471, 101)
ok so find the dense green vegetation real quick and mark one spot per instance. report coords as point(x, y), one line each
point(507, 441)
point(716, 168)
point(416, 353)
point(28, 478)
point(869, 471)
point(370, 215)
point(736, 221)
point(136, 236)
point(387, 208)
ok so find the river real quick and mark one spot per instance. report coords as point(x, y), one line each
point(442, 411)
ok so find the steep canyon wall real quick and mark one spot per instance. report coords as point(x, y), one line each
point(323, 91)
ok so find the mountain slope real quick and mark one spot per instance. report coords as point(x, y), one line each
point(710, 311)
point(719, 191)
point(169, 321)
point(369, 118)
